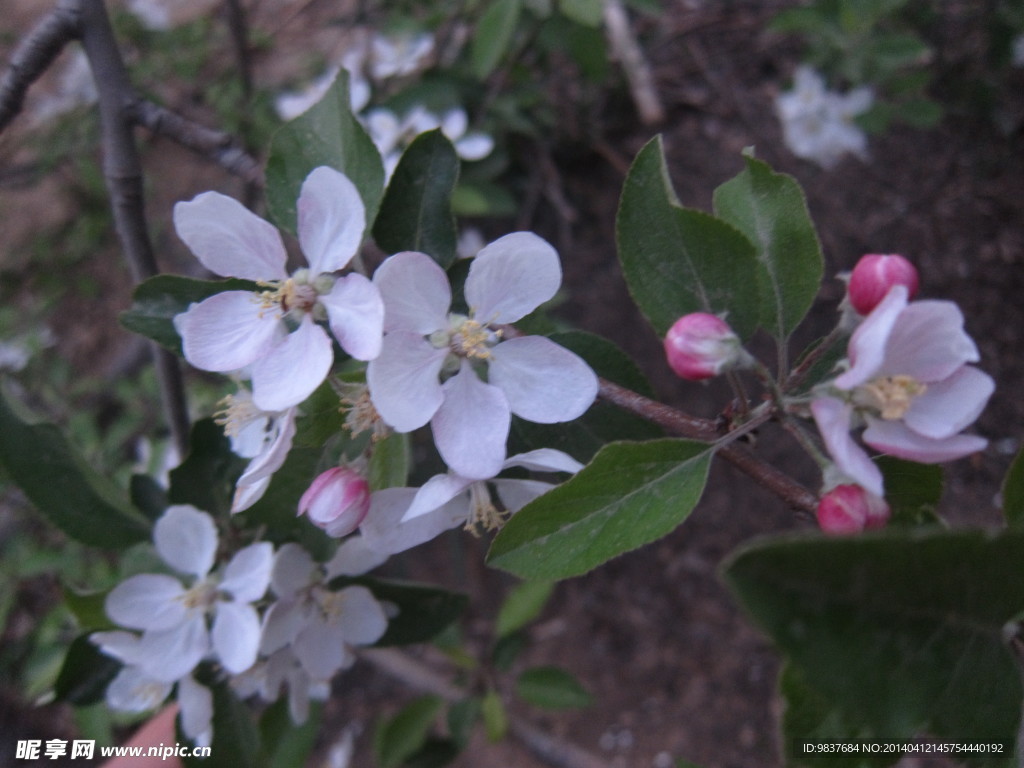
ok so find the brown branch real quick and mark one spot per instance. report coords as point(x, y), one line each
point(627, 50)
point(33, 57)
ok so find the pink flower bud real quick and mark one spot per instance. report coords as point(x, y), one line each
point(851, 509)
point(336, 501)
point(874, 275)
point(699, 346)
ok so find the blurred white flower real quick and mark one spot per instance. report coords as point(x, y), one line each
point(398, 55)
point(75, 88)
point(392, 134)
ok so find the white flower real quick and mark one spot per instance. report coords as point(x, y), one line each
point(175, 619)
point(428, 367)
point(817, 124)
point(278, 670)
point(398, 55)
point(135, 690)
point(291, 104)
point(910, 383)
point(402, 518)
point(274, 332)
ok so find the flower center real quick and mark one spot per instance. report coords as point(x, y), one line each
point(202, 596)
point(890, 396)
point(469, 338)
point(299, 292)
point(331, 604)
point(360, 413)
point(483, 515)
point(236, 414)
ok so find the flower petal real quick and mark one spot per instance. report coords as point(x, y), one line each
point(133, 690)
point(248, 494)
point(173, 653)
point(436, 492)
point(186, 539)
point(833, 419)
point(511, 277)
point(516, 494)
point(353, 558)
point(474, 146)
point(544, 382)
point(292, 370)
point(544, 460)
point(331, 219)
point(294, 569)
point(236, 635)
point(950, 405)
point(384, 531)
point(228, 331)
point(471, 426)
point(256, 477)
point(229, 239)
point(928, 342)
point(248, 573)
point(416, 293)
point(404, 380)
point(282, 623)
point(362, 619)
point(895, 438)
point(320, 647)
point(147, 601)
point(196, 702)
point(867, 346)
point(355, 313)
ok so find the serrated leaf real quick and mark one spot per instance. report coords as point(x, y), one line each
point(677, 260)
point(628, 496)
point(326, 134)
point(389, 462)
point(900, 630)
point(399, 737)
point(493, 36)
point(771, 210)
point(522, 605)
point(552, 688)
point(157, 300)
point(1013, 491)
point(67, 491)
point(416, 212)
point(85, 673)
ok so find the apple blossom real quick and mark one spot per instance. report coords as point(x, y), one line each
point(909, 382)
point(874, 275)
point(391, 134)
point(428, 367)
point(849, 508)
point(337, 501)
point(274, 331)
point(700, 346)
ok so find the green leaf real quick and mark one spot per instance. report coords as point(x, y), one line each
point(919, 113)
point(522, 605)
point(206, 478)
point(85, 674)
point(156, 301)
point(902, 630)
point(148, 496)
point(493, 36)
point(326, 134)
point(435, 753)
point(1013, 491)
point(88, 608)
point(552, 688)
point(912, 490)
point(389, 462)
point(416, 213)
point(462, 718)
point(285, 743)
point(495, 717)
point(771, 210)
point(236, 739)
point(677, 260)
point(629, 495)
point(74, 497)
point(399, 737)
point(589, 13)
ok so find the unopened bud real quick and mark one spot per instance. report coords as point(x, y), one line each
point(337, 501)
point(699, 346)
point(851, 509)
point(873, 277)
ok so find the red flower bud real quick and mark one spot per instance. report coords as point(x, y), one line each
point(699, 346)
point(337, 501)
point(874, 275)
point(851, 509)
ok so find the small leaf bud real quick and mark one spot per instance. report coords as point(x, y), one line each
point(850, 509)
point(874, 275)
point(337, 501)
point(699, 346)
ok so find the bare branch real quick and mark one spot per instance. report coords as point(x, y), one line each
point(33, 57)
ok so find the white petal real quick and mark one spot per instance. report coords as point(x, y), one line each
point(147, 601)
point(928, 342)
point(833, 419)
point(282, 623)
point(236, 635)
point(331, 219)
point(454, 123)
point(320, 647)
point(895, 438)
point(186, 539)
point(471, 426)
point(229, 239)
point(248, 574)
point(228, 331)
point(516, 494)
point(196, 702)
point(353, 558)
point(256, 477)
point(544, 382)
point(436, 492)
point(511, 277)
point(173, 653)
point(362, 619)
point(292, 370)
point(474, 146)
point(133, 690)
point(384, 531)
point(544, 460)
point(123, 646)
point(294, 569)
point(416, 293)
point(355, 313)
point(249, 493)
point(950, 405)
point(404, 380)
point(866, 349)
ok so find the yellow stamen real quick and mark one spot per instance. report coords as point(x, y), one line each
point(891, 396)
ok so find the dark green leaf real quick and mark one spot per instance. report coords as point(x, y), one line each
point(85, 674)
point(771, 210)
point(435, 753)
point(389, 462)
point(902, 630)
point(495, 717)
point(552, 688)
point(912, 490)
point(156, 301)
point(586, 12)
point(206, 478)
point(462, 718)
point(493, 36)
point(288, 744)
point(919, 113)
point(522, 605)
point(1013, 491)
point(326, 134)
point(629, 495)
point(75, 498)
point(148, 496)
point(416, 213)
point(398, 738)
point(88, 608)
point(677, 260)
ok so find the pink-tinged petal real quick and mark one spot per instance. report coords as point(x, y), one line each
point(256, 477)
point(236, 635)
point(229, 239)
point(282, 623)
point(294, 569)
point(416, 293)
point(928, 342)
point(948, 406)
point(353, 558)
point(511, 277)
point(516, 494)
point(292, 370)
point(249, 493)
point(544, 382)
point(147, 601)
point(320, 647)
point(247, 575)
point(384, 532)
point(186, 539)
point(355, 313)
point(133, 690)
point(436, 492)
point(404, 380)
point(173, 653)
point(196, 702)
point(362, 619)
point(332, 219)
point(867, 346)
point(895, 438)
point(228, 331)
point(544, 460)
point(471, 426)
point(833, 419)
